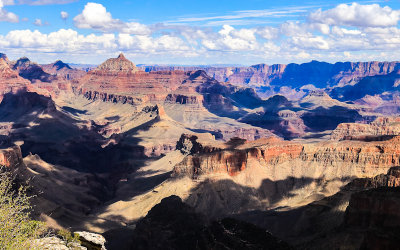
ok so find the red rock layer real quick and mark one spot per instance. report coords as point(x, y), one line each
point(381, 128)
point(271, 153)
point(10, 81)
point(11, 157)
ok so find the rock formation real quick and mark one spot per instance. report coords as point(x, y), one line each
point(119, 64)
point(10, 81)
point(320, 74)
point(31, 71)
point(382, 128)
point(174, 225)
point(273, 152)
point(63, 70)
point(105, 146)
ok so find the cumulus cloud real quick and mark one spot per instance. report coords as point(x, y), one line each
point(6, 16)
point(59, 41)
point(70, 41)
point(95, 16)
point(64, 15)
point(268, 32)
point(358, 15)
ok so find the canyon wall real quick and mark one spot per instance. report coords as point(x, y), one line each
point(320, 74)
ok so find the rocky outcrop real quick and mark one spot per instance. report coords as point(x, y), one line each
point(119, 64)
point(320, 74)
point(382, 128)
point(184, 99)
point(11, 157)
point(31, 71)
point(325, 223)
point(87, 241)
point(10, 81)
point(232, 161)
point(272, 153)
point(91, 241)
point(55, 243)
point(63, 70)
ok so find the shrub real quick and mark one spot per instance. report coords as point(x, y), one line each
point(17, 230)
point(68, 237)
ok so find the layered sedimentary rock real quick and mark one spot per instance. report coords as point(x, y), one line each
point(380, 129)
point(10, 81)
point(355, 157)
point(331, 223)
point(118, 80)
point(317, 73)
point(31, 71)
point(63, 70)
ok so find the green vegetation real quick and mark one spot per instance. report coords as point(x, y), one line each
point(17, 230)
point(68, 237)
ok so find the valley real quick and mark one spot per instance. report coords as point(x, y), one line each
point(300, 150)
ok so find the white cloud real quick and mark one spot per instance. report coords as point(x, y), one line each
point(39, 22)
point(6, 16)
point(268, 32)
point(342, 31)
point(150, 44)
point(64, 15)
point(357, 15)
point(310, 43)
point(58, 41)
point(317, 37)
point(228, 38)
point(291, 29)
point(95, 16)
point(45, 2)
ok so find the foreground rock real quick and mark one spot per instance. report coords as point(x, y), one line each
point(87, 241)
point(92, 241)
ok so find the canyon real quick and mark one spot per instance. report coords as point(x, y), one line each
point(125, 150)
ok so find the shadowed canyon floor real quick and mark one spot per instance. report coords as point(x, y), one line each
point(102, 148)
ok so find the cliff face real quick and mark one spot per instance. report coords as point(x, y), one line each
point(63, 70)
point(119, 64)
point(31, 71)
point(10, 81)
point(352, 158)
point(317, 73)
point(11, 157)
point(380, 129)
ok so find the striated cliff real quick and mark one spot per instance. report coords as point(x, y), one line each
point(63, 70)
point(356, 157)
point(380, 129)
point(10, 81)
point(31, 71)
point(119, 64)
point(320, 74)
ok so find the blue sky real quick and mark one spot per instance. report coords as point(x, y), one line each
point(200, 32)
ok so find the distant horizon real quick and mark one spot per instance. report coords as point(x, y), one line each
point(193, 65)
